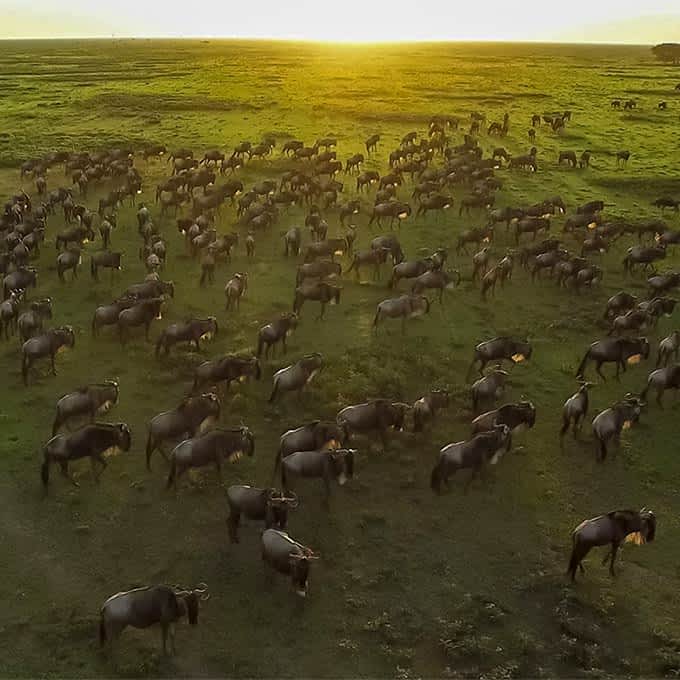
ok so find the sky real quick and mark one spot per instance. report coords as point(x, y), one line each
point(625, 21)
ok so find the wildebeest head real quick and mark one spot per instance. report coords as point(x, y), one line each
point(43, 307)
point(278, 505)
point(124, 436)
point(528, 411)
point(66, 335)
point(299, 570)
point(647, 525)
point(342, 463)
point(188, 601)
point(247, 441)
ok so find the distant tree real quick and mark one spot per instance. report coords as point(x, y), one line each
point(667, 52)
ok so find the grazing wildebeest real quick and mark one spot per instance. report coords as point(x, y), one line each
point(94, 441)
point(235, 290)
point(276, 331)
point(87, 401)
point(191, 417)
point(438, 279)
point(395, 210)
point(662, 379)
point(210, 448)
point(670, 345)
point(618, 350)
point(377, 414)
point(44, 345)
point(365, 179)
point(663, 283)
point(226, 369)
point(402, 307)
point(642, 255)
point(297, 375)
point(141, 313)
point(319, 291)
point(531, 225)
point(517, 417)
point(105, 258)
point(335, 464)
point(289, 557)
point(609, 424)
point(476, 452)
point(432, 202)
point(372, 143)
point(667, 202)
point(392, 242)
point(611, 529)
point(193, 330)
point(328, 248)
point(500, 349)
point(575, 409)
point(268, 505)
point(425, 408)
point(144, 607)
point(622, 158)
point(20, 279)
point(569, 157)
point(30, 322)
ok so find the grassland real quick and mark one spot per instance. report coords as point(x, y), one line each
point(410, 585)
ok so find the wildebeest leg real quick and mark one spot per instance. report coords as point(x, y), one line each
point(66, 472)
point(323, 309)
point(283, 342)
point(102, 465)
point(475, 473)
point(218, 467)
point(565, 427)
point(403, 325)
point(164, 634)
point(659, 394)
point(232, 525)
point(198, 346)
point(598, 370)
point(54, 368)
point(615, 548)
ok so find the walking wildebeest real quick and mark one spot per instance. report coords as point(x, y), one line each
point(377, 414)
point(86, 401)
point(476, 452)
point(395, 210)
point(22, 278)
point(297, 375)
point(30, 322)
point(105, 259)
point(226, 369)
point(151, 289)
point(622, 158)
point(410, 270)
point(268, 505)
point(500, 349)
point(569, 157)
point(644, 255)
point(144, 607)
point(193, 330)
point(516, 416)
point(662, 379)
point(335, 464)
point(617, 350)
point(488, 388)
point(315, 436)
point(609, 424)
point(425, 408)
point(191, 417)
point(93, 441)
point(141, 313)
point(43, 345)
point(372, 257)
point(611, 529)
point(575, 410)
point(670, 345)
point(276, 331)
point(402, 307)
point(635, 320)
point(235, 289)
point(9, 312)
point(621, 302)
point(319, 291)
point(289, 557)
point(210, 448)
point(438, 279)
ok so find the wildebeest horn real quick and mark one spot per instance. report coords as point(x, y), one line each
point(202, 590)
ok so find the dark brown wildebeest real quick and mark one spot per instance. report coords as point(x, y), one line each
point(567, 156)
point(500, 349)
point(297, 375)
point(374, 258)
point(642, 255)
point(347, 209)
point(78, 234)
point(630, 104)
point(9, 312)
point(267, 505)
point(531, 134)
point(402, 307)
point(47, 344)
point(150, 289)
point(488, 388)
point(193, 330)
point(107, 315)
point(372, 143)
point(425, 408)
point(662, 379)
point(517, 417)
point(584, 160)
point(410, 270)
point(617, 350)
point(575, 410)
point(241, 150)
point(291, 146)
point(354, 162)
point(87, 402)
point(320, 269)
point(92, 441)
point(30, 322)
point(337, 465)
point(144, 607)
point(382, 415)
point(289, 557)
point(476, 201)
point(210, 448)
point(192, 416)
point(670, 345)
point(365, 179)
point(235, 289)
point(106, 259)
point(213, 156)
point(319, 291)
point(622, 158)
point(535, 120)
point(327, 248)
point(506, 215)
point(525, 161)
point(153, 150)
point(482, 449)
point(667, 202)
point(480, 262)
point(431, 202)
point(276, 331)
point(438, 279)
point(613, 529)
point(616, 104)
point(609, 424)
point(70, 259)
point(141, 313)
point(658, 307)
point(531, 225)
point(227, 369)
point(663, 283)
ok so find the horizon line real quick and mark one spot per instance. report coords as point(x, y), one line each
point(311, 41)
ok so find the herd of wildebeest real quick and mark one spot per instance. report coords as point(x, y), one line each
point(432, 165)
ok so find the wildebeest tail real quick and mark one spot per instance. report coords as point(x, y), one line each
point(436, 479)
point(45, 472)
point(643, 394)
point(159, 344)
point(150, 446)
point(93, 268)
point(56, 424)
point(275, 389)
point(173, 473)
point(573, 562)
point(260, 345)
point(582, 366)
point(277, 464)
point(102, 630)
point(24, 368)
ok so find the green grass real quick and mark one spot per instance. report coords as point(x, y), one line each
point(410, 584)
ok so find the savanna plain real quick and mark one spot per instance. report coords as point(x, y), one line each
point(409, 584)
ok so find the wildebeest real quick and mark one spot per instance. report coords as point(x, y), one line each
point(663, 283)
point(287, 556)
point(617, 350)
point(531, 225)
point(437, 279)
point(335, 464)
point(372, 143)
point(662, 379)
point(347, 209)
point(315, 436)
point(402, 307)
point(70, 259)
point(92, 441)
point(141, 313)
point(516, 416)
point(107, 315)
point(87, 401)
point(642, 255)
point(670, 345)
point(268, 505)
point(575, 409)
point(319, 291)
point(477, 235)
point(292, 239)
point(20, 279)
point(106, 259)
point(193, 415)
point(410, 270)
point(193, 330)
point(9, 312)
point(633, 320)
point(569, 157)
point(489, 387)
point(151, 289)
point(30, 322)
point(478, 451)
point(297, 375)
point(609, 424)
point(226, 369)
point(500, 349)
point(371, 257)
point(621, 302)
point(144, 607)
point(394, 210)
point(276, 331)
point(425, 408)
point(377, 414)
point(432, 202)
point(44, 345)
point(320, 269)
point(622, 157)
point(327, 248)
point(611, 529)
point(210, 448)
point(235, 290)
